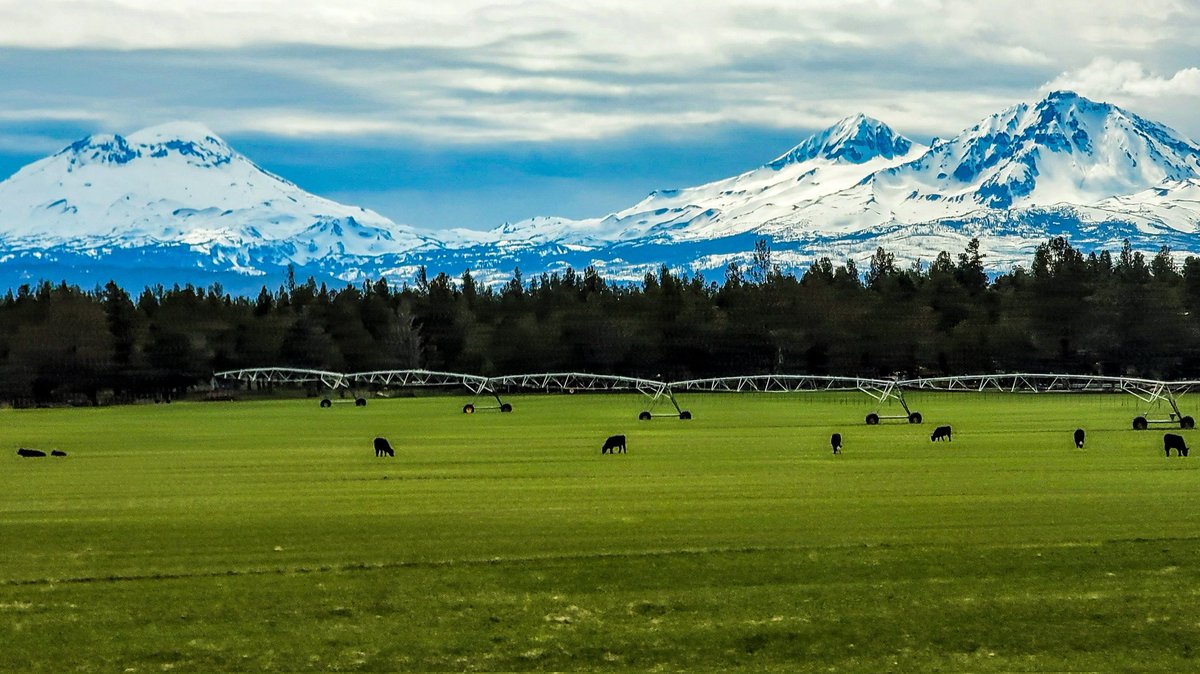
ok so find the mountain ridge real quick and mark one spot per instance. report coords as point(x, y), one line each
point(1063, 165)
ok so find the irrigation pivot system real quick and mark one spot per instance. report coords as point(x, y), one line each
point(289, 375)
point(658, 392)
point(375, 379)
point(882, 390)
point(424, 378)
point(1152, 392)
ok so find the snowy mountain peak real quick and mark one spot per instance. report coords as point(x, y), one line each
point(194, 143)
point(1064, 148)
point(1064, 95)
point(854, 140)
point(1066, 121)
point(179, 183)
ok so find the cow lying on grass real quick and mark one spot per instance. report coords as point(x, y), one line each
point(30, 452)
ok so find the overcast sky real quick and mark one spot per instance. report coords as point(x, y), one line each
point(474, 112)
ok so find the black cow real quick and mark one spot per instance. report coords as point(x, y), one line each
point(383, 447)
point(941, 432)
point(1079, 437)
point(30, 452)
point(614, 444)
point(836, 441)
point(58, 452)
point(1175, 442)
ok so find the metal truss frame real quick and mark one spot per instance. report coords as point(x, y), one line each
point(286, 375)
point(1029, 382)
point(414, 378)
point(776, 383)
point(655, 390)
point(476, 384)
point(882, 390)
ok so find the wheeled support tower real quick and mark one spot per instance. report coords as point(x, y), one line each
point(646, 415)
point(471, 407)
point(359, 401)
point(883, 392)
point(656, 399)
point(1156, 392)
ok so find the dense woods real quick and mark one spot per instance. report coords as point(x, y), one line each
point(1067, 312)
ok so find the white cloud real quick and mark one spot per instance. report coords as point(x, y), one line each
point(1108, 78)
point(630, 27)
point(470, 74)
point(543, 70)
point(299, 124)
point(15, 114)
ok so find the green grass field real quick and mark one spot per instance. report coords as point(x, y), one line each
point(267, 536)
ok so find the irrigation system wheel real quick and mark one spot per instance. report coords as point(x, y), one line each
point(360, 402)
point(326, 402)
point(468, 409)
point(1140, 424)
point(872, 419)
point(914, 418)
point(645, 416)
point(505, 407)
point(685, 415)
point(1187, 423)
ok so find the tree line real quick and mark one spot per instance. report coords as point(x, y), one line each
point(1067, 312)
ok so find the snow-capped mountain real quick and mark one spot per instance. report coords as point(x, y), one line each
point(174, 203)
point(828, 162)
point(1063, 150)
point(1064, 165)
point(180, 186)
point(1171, 204)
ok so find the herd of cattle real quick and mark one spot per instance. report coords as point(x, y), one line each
point(1170, 440)
point(615, 444)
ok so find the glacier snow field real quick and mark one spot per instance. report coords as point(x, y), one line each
point(266, 535)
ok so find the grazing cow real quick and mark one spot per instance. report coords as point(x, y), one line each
point(30, 452)
point(614, 444)
point(939, 433)
point(1079, 438)
point(1175, 442)
point(383, 447)
point(58, 452)
point(836, 441)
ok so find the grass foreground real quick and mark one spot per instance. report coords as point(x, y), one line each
point(266, 535)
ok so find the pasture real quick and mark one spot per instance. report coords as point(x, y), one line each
point(266, 535)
